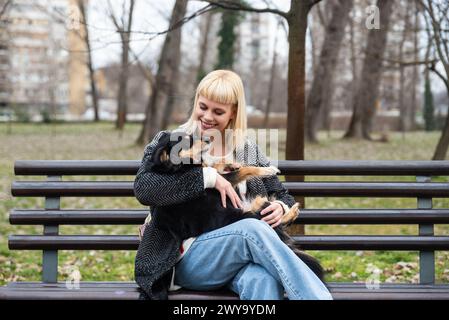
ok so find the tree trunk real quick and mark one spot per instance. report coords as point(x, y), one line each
point(403, 110)
point(296, 80)
point(297, 21)
point(443, 142)
point(201, 72)
point(271, 81)
point(122, 98)
point(322, 85)
point(415, 75)
point(439, 21)
point(165, 78)
point(364, 103)
point(86, 38)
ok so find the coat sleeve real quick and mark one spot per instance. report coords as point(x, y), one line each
point(161, 189)
point(272, 184)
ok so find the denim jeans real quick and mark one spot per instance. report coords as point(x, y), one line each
point(249, 258)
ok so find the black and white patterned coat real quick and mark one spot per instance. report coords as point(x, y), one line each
point(158, 249)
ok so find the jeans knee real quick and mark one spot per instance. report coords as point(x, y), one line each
point(253, 226)
point(255, 282)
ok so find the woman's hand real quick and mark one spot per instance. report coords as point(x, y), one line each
point(225, 188)
point(275, 217)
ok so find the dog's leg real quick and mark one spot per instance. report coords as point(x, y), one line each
point(245, 173)
point(258, 204)
point(291, 215)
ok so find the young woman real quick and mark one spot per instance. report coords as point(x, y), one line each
point(247, 256)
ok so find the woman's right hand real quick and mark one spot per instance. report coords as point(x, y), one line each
point(225, 188)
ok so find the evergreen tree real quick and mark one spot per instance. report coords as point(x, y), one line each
point(226, 48)
point(429, 117)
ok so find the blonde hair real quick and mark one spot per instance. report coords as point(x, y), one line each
point(226, 87)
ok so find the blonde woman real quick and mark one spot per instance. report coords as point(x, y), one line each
point(247, 256)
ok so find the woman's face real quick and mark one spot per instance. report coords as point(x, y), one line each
point(213, 115)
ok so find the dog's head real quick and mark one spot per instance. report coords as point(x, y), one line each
point(175, 151)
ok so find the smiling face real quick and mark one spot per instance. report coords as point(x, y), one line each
point(213, 115)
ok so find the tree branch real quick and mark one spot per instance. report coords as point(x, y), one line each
point(313, 2)
point(440, 75)
point(232, 5)
point(411, 63)
point(5, 7)
point(436, 32)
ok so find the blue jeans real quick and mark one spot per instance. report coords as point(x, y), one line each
point(249, 258)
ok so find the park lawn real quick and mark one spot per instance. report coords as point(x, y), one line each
point(101, 141)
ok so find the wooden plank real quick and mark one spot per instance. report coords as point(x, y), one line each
point(131, 242)
point(76, 167)
point(100, 290)
point(308, 189)
point(306, 216)
point(368, 189)
point(78, 217)
point(290, 167)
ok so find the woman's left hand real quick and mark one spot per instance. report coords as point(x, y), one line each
point(274, 217)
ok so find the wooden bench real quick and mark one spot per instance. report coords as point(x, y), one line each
point(52, 216)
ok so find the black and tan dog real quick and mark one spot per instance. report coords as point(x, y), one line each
point(206, 213)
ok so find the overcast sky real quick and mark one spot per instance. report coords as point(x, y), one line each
point(150, 16)
point(153, 16)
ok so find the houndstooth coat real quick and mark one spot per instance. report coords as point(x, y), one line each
point(158, 249)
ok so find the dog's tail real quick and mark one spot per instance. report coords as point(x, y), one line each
point(310, 261)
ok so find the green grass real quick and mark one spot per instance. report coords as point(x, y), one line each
point(101, 141)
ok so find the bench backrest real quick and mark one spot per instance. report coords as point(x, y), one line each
point(54, 188)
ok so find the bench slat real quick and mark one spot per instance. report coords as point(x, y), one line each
point(76, 167)
point(368, 189)
point(291, 167)
point(307, 216)
point(128, 290)
point(309, 189)
point(130, 242)
point(77, 217)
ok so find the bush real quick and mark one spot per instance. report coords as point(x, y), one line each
point(22, 114)
point(46, 116)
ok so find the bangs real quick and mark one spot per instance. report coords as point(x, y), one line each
point(218, 90)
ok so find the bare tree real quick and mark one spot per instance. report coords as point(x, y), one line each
point(204, 46)
point(403, 109)
point(437, 13)
point(322, 85)
point(272, 77)
point(4, 4)
point(123, 27)
point(415, 75)
point(166, 76)
point(93, 87)
point(367, 92)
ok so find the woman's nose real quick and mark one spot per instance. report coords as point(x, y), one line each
point(208, 117)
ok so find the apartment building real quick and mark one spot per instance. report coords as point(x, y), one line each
point(42, 57)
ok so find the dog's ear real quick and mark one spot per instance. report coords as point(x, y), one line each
point(158, 150)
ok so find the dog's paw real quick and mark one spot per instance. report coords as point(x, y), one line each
point(291, 215)
point(270, 171)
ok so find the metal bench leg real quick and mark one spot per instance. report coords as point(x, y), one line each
point(426, 258)
point(50, 257)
